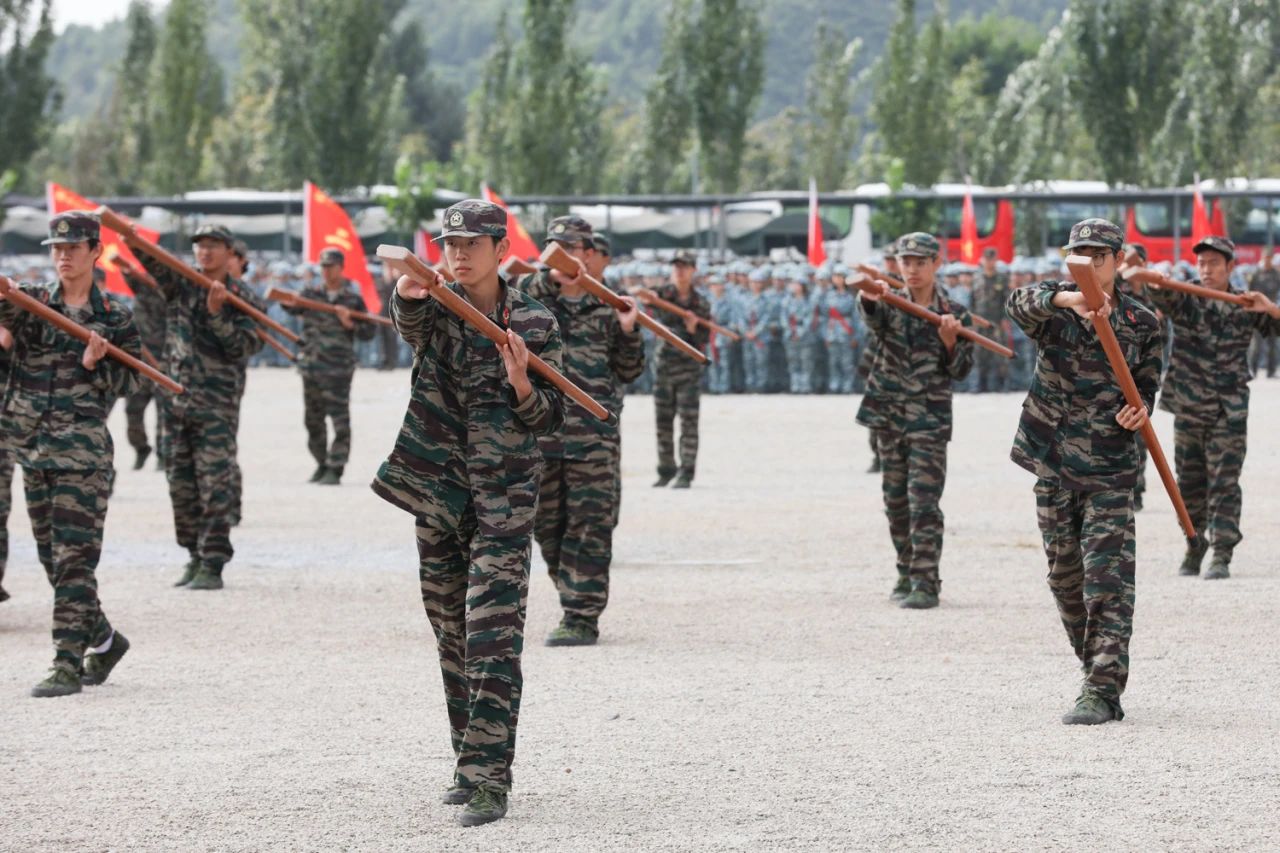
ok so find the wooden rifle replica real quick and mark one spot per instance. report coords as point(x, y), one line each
point(125, 229)
point(80, 333)
point(864, 284)
point(1082, 271)
point(288, 297)
point(515, 266)
point(650, 298)
point(406, 263)
point(555, 257)
point(898, 284)
point(1152, 278)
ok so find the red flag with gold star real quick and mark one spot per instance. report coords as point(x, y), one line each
point(59, 199)
point(327, 226)
point(522, 245)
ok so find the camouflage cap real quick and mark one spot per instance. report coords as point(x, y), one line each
point(240, 249)
point(684, 256)
point(917, 244)
point(73, 226)
point(1137, 249)
point(214, 232)
point(473, 217)
point(1098, 233)
point(570, 230)
point(332, 256)
point(890, 249)
point(1216, 244)
point(601, 244)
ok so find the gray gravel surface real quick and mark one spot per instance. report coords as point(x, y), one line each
point(754, 687)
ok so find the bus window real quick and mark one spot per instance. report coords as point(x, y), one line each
point(984, 214)
point(1155, 219)
point(1254, 230)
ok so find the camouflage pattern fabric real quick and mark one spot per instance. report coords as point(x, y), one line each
point(327, 363)
point(913, 474)
point(1264, 348)
point(1089, 542)
point(1208, 458)
point(466, 465)
point(6, 485)
point(149, 309)
point(579, 492)
point(839, 333)
point(54, 426)
point(207, 353)
point(1068, 431)
point(677, 387)
point(989, 295)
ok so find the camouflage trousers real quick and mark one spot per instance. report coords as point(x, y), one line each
point(992, 370)
point(755, 365)
point(135, 408)
point(800, 359)
point(199, 461)
point(1208, 459)
point(68, 509)
point(841, 366)
point(475, 589)
point(328, 396)
point(1140, 487)
point(574, 531)
point(6, 486)
point(672, 396)
point(1089, 542)
point(913, 471)
point(720, 366)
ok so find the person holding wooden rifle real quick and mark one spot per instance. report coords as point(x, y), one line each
point(1265, 279)
point(328, 363)
point(1207, 390)
point(207, 346)
point(1135, 256)
point(908, 407)
point(466, 465)
point(54, 425)
point(149, 310)
point(1077, 436)
point(868, 357)
point(990, 290)
point(603, 351)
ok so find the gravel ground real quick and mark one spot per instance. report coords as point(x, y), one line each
point(754, 687)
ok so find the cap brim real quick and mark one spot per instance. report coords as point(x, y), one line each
point(59, 241)
point(1092, 244)
point(915, 253)
point(1204, 246)
point(442, 237)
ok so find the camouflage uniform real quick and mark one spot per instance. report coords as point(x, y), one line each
point(207, 354)
point(1265, 281)
point(908, 408)
point(1207, 390)
point(838, 323)
point(466, 465)
point(1086, 464)
point(55, 427)
point(677, 387)
point(989, 295)
point(575, 518)
point(327, 363)
point(6, 485)
point(149, 310)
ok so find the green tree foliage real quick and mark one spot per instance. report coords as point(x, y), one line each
point(668, 110)
point(829, 95)
point(186, 86)
point(29, 98)
point(433, 108)
point(772, 157)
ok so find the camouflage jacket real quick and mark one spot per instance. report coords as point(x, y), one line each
point(205, 352)
point(149, 309)
point(909, 386)
point(328, 348)
point(55, 411)
point(989, 295)
point(1266, 281)
point(1068, 431)
point(670, 363)
point(600, 359)
point(1209, 366)
point(465, 440)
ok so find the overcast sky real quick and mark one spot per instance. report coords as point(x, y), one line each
point(90, 12)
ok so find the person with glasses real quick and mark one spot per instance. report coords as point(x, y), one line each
point(1077, 436)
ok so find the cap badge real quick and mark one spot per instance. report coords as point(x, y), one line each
point(63, 226)
point(911, 244)
point(558, 228)
point(1086, 231)
point(455, 219)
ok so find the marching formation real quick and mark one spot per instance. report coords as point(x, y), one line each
point(520, 372)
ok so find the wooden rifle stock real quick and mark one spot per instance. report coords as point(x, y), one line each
point(515, 266)
point(1155, 279)
point(1082, 271)
point(407, 263)
point(882, 276)
point(928, 316)
point(287, 297)
point(122, 226)
point(80, 333)
point(555, 257)
point(650, 298)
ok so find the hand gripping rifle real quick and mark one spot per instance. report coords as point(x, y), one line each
point(863, 283)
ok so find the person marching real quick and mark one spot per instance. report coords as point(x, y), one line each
point(908, 408)
point(466, 465)
point(603, 352)
point(1207, 390)
point(328, 363)
point(148, 313)
point(990, 290)
point(678, 387)
point(1076, 435)
point(6, 466)
point(206, 348)
point(55, 426)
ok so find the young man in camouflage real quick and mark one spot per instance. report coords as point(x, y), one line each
point(327, 363)
point(1207, 390)
point(990, 289)
point(678, 386)
point(207, 346)
point(1077, 436)
point(466, 465)
point(148, 313)
point(908, 408)
point(1265, 280)
point(603, 351)
point(54, 425)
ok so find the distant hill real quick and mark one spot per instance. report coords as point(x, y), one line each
point(624, 36)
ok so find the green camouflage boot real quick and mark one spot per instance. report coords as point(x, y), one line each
point(486, 805)
point(901, 589)
point(684, 481)
point(573, 632)
point(1195, 556)
point(98, 666)
point(922, 597)
point(1219, 566)
point(1090, 710)
point(663, 479)
point(59, 683)
point(319, 472)
point(189, 571)
point(208, 577)
point(332, 476)
point(457, 795)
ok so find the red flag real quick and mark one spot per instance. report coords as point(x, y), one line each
point(817, 253)
point(1200, 227)
point(968, 231)
point(1217, 221)
point(426, 248)
point(326, 225)
point(58, 199)
point(522, 245)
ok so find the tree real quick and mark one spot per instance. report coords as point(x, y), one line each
point(29, 98)
point(911, 95)
point(772, 159)
point(829, 93)
point(668, 111)
point(186, 86)
point(432, 107)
